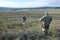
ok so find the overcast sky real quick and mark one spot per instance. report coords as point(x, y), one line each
point(29, 3)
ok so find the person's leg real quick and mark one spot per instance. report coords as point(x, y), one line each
point(46, 30)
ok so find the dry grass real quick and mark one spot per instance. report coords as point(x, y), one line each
point(31, 24)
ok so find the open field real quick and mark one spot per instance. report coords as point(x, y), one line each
point(8, 18)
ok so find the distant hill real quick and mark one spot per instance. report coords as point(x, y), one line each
point(7, 8)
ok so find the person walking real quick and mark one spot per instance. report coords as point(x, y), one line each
point(46, 21)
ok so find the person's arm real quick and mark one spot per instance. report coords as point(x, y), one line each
point(42, 18)
point(51, 19)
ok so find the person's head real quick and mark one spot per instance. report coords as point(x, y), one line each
point(46, 13)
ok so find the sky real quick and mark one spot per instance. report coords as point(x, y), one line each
point(29, 3)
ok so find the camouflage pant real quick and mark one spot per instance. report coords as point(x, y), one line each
point(45, 29)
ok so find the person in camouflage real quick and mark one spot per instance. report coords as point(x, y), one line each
point(24, 21)
point(24, 18)
point(46, 21)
